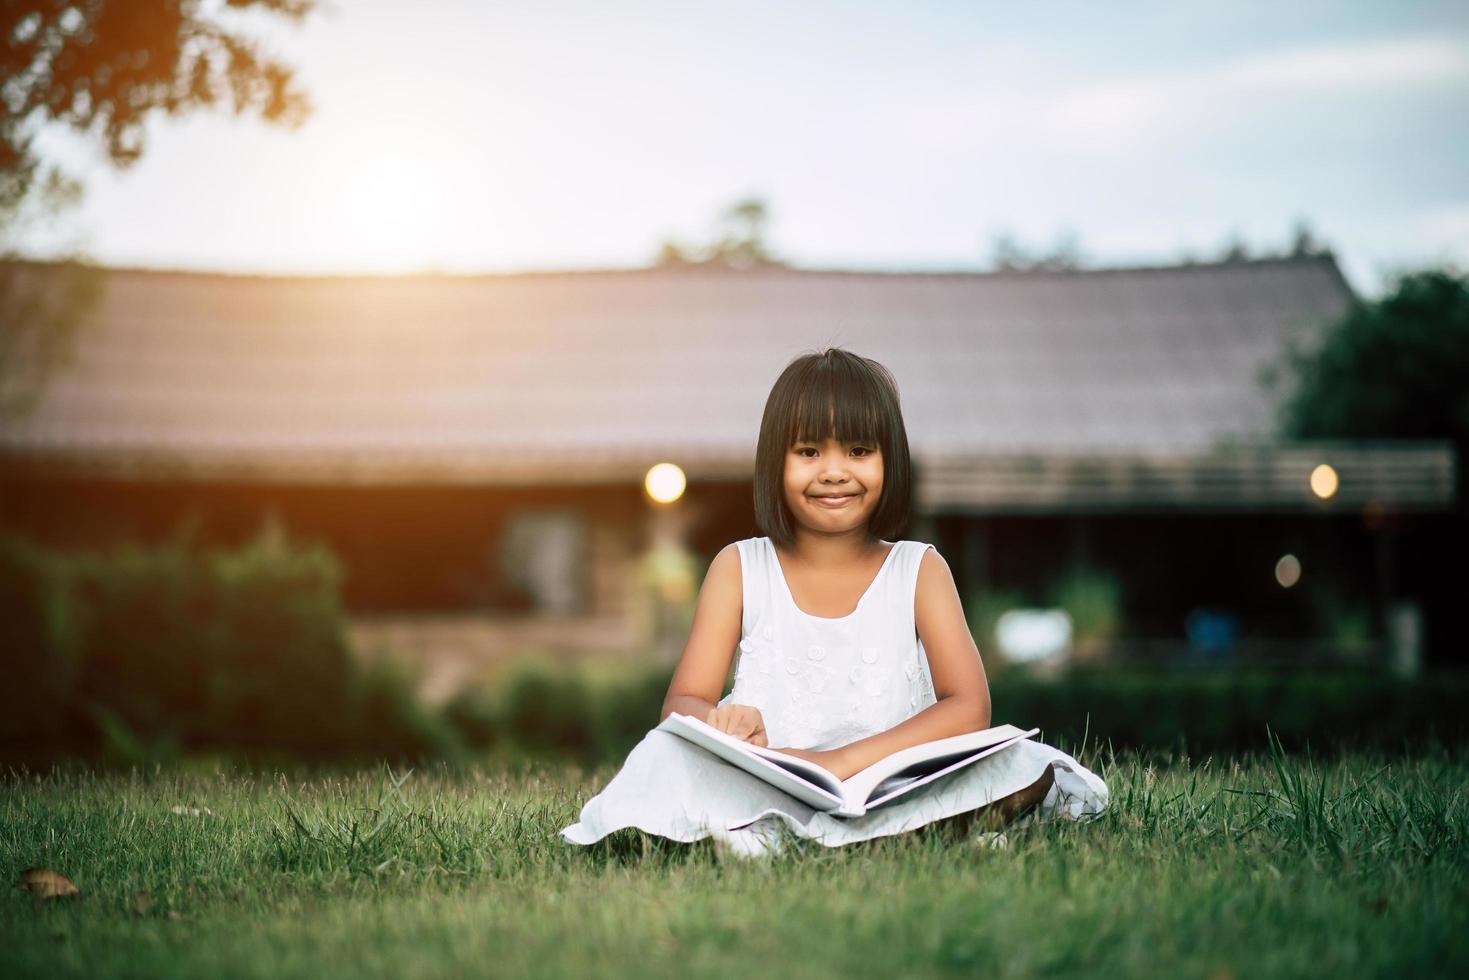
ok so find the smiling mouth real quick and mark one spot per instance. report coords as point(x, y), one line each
point(835, 501)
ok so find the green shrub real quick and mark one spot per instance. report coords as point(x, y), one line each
point(144, 619)
point(39, 642)
point(387, 719)
point(280, 668)
point(474, 714)
point(591, 710)
point(545, 706)
point(1227, 711)
point(595, 712)
point(147, 651)
point(1093, 600)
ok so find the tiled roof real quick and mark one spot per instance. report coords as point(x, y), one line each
point(549, 372)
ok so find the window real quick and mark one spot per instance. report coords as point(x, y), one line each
point(544, 554)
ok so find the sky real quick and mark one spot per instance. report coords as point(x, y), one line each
point(472, 137)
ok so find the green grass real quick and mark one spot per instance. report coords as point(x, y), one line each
point(1264, 866)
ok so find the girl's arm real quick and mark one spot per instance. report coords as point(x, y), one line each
point(959, 681)
point(699, 678)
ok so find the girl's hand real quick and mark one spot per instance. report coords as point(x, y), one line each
point(741, 721)
point(833, 761)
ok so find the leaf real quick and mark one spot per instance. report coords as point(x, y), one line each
point(45, 883)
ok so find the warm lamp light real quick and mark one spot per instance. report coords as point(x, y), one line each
point(665, 483)
point(1324, 481)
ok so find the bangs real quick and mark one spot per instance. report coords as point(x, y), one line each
point(839, 404)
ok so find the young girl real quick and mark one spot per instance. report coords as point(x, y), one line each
point(851, 647)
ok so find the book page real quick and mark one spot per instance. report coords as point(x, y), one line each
point(921, 774)
point(879, 783)
point(805, 780)
point(861, 787)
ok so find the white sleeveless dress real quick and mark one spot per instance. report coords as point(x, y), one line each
point(820, 683)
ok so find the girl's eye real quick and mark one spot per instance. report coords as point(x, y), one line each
point(807, 449)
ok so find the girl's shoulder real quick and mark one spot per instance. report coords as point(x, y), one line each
point(738, 554)
point(918, 552)
point(907, 548)
point(908, 558)
point(749, 546)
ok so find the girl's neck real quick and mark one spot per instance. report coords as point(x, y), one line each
point(833, 550)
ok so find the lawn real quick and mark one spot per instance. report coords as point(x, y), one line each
point(1267, 865)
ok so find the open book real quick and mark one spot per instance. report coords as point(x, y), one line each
point(880, 783)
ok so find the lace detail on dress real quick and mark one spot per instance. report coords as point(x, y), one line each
point(920, 685)
point(820, 684)
point(821, 694)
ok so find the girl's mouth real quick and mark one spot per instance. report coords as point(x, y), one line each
point(833, 503)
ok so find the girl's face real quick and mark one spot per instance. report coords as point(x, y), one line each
point(833, 487)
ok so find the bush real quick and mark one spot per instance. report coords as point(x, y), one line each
point(40, 645)
point(595, 712)
point(1228, 710)
point(387, 720)
point(148, 651)
point(1093, 600)
point(545, 707)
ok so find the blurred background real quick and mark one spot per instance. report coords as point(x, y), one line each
point(378, 379)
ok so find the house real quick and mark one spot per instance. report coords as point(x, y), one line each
point(481, 442)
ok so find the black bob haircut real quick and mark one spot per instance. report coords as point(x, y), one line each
point(841, 395)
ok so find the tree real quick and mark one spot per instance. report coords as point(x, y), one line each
point(740, 245)
point(1303, 244)
point(743, 243)
point(104, 68)
point(41, 310)
point(1397, 368)
point(1236, 249)
point(1008, 255)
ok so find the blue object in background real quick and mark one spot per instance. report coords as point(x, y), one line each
point(1212, 634)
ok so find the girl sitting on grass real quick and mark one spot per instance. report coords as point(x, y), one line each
point(851, 647)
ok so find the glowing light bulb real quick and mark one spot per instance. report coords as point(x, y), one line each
point(665, 483)
point(1324, 481)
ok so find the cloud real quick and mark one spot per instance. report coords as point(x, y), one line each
point(1117, 116)
point(1448, 225)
